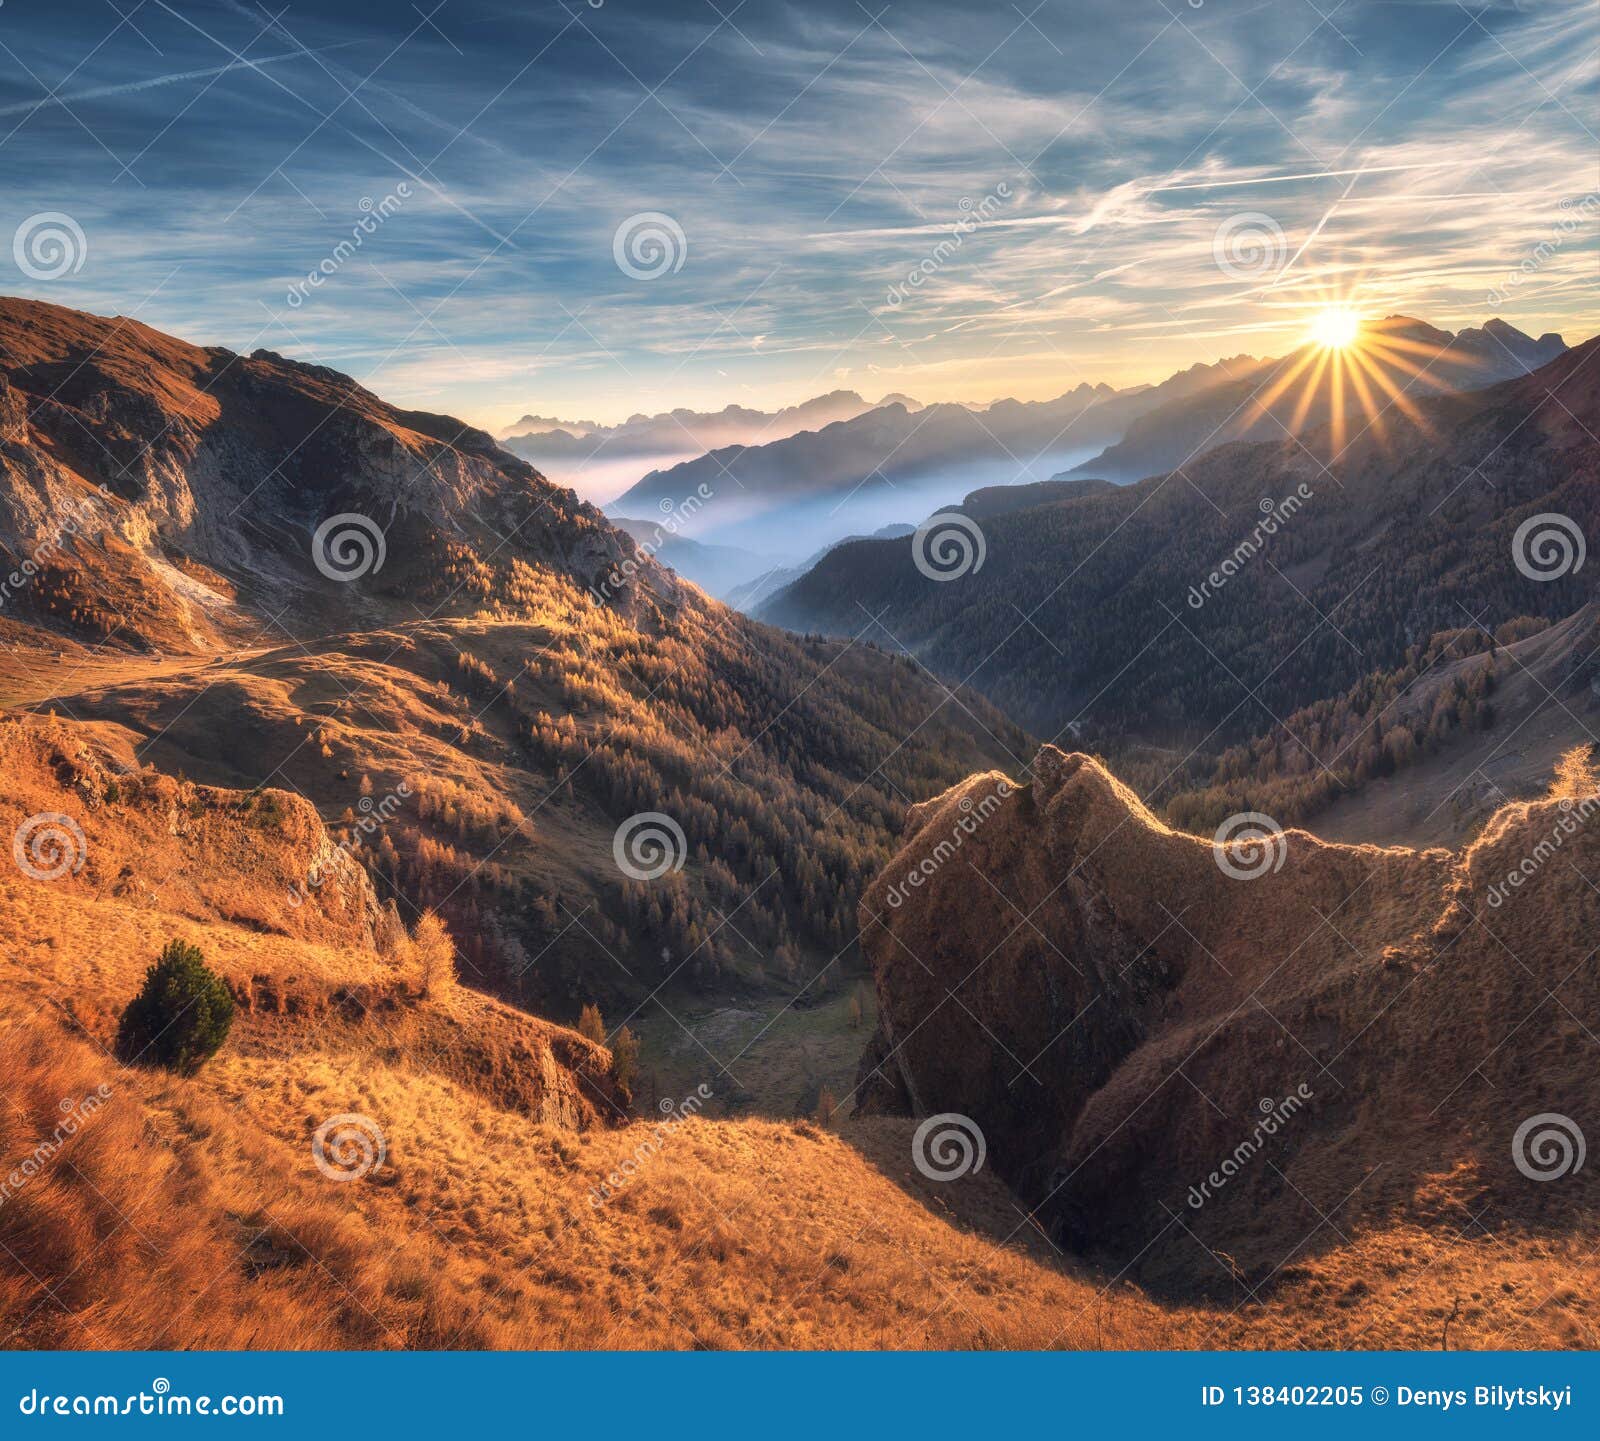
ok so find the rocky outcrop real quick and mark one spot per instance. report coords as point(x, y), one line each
point(1180, 1049)
point(84, 816)
point(13, 414)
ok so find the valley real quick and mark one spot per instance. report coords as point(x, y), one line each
point(598, 957)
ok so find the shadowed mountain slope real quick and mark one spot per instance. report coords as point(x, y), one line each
point(1205, 605)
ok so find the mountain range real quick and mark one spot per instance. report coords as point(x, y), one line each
point(886, 466)
point(890, 465)
point(1396, 360)
point(599, 458)
point(1199, 607)
point(705, 430)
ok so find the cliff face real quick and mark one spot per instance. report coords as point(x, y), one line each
point(1179, 1049)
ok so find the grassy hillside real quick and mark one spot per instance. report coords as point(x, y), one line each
point(192, 1212)
point(485, 767)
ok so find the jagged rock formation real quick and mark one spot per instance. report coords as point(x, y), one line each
point(1180, 1050)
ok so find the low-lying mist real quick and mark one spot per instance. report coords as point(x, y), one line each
point(795, 529)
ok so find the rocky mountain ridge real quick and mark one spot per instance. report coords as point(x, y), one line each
point(1118, 1007)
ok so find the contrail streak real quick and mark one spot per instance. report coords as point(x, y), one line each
point(131, 87)
point(1304, 175)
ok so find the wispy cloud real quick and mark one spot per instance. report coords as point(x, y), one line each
point(813, 158)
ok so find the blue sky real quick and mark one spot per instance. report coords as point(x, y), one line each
point(951, 200)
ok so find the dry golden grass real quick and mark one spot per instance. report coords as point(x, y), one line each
point(192, 1212)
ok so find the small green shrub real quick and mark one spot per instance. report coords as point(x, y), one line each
point(182, 1015)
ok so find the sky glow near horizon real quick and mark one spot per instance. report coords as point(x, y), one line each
point(928, 199)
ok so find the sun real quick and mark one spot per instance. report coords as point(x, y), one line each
point(1335, 327)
